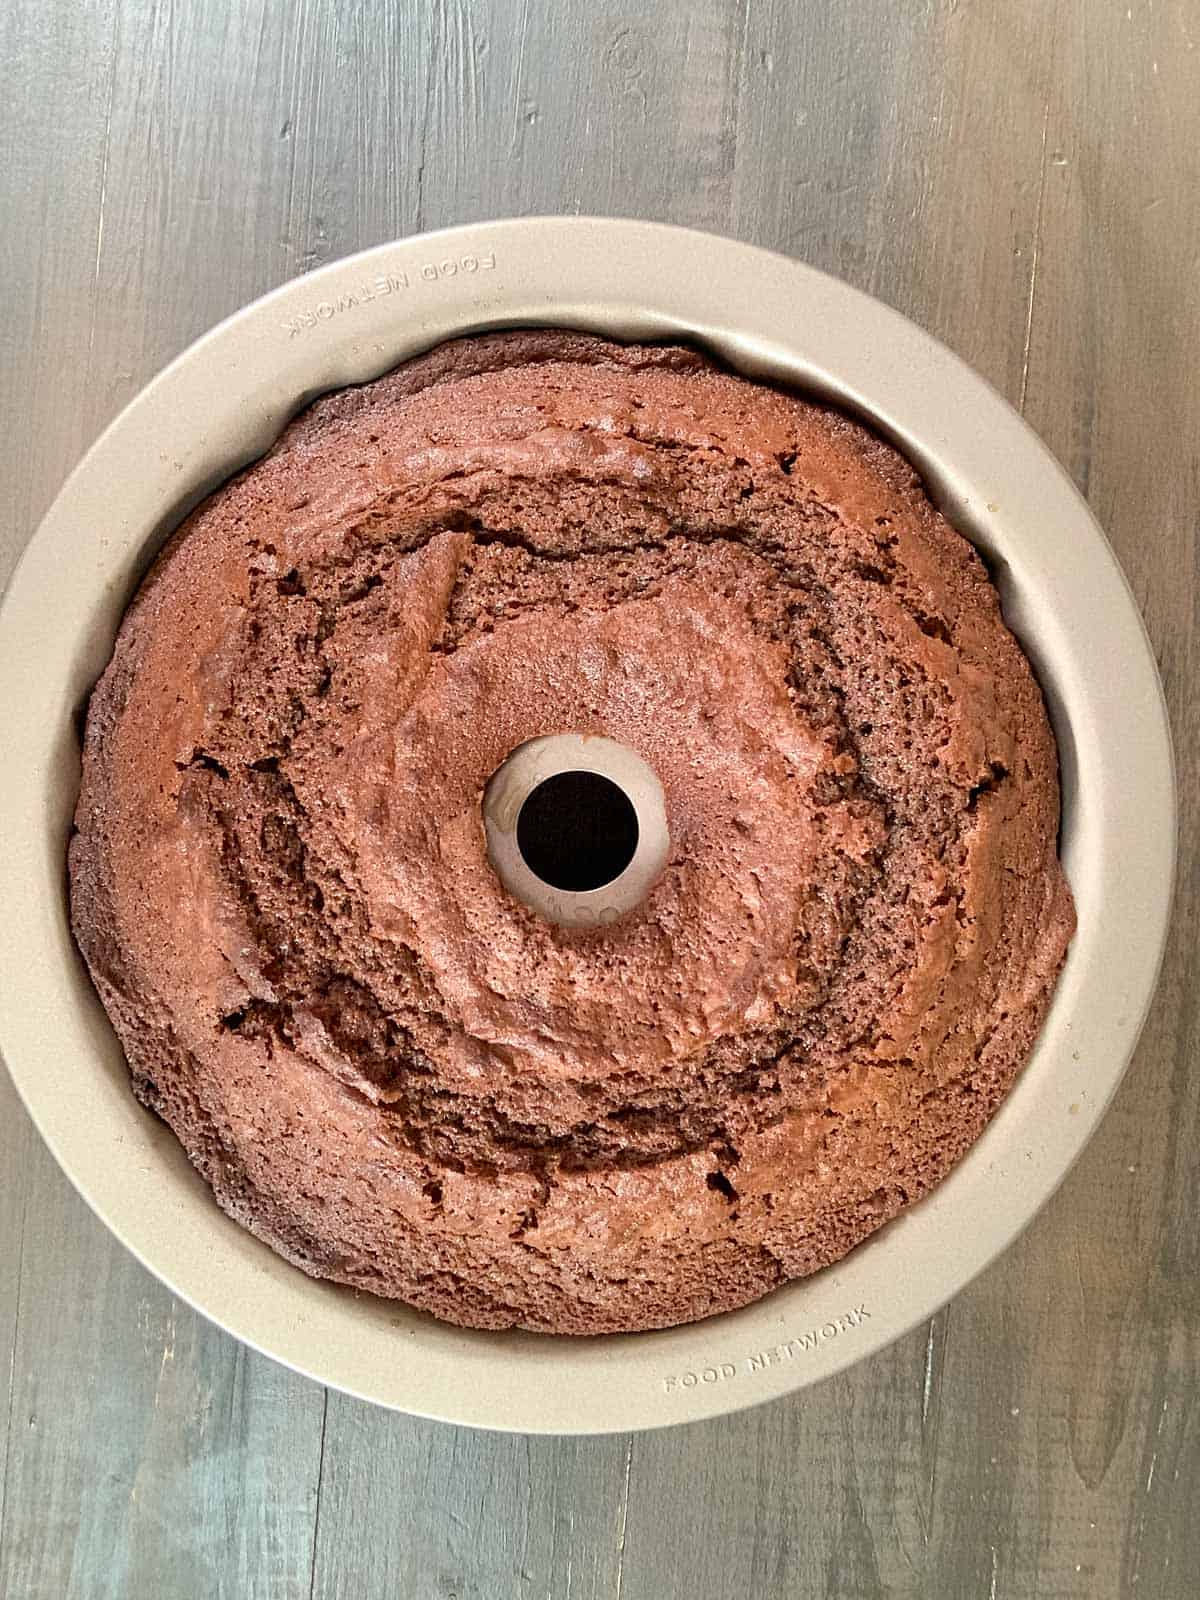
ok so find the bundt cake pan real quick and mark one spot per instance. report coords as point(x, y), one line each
point(220, 405)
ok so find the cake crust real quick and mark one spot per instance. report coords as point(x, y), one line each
point(396, 1074)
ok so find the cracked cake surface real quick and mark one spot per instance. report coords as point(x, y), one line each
point(399, 1076)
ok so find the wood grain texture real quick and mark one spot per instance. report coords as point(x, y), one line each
point(1019, 177)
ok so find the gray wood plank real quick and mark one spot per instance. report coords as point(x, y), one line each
point(1021, 180)
point(456, 1513)
point(501, 133)
point(1110, 386)
point(151, 1454)
point(146, 1453)
point(15, 1134)
point(40, 273)
point(1057, 1386)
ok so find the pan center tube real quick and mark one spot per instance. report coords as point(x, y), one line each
point(576, 828)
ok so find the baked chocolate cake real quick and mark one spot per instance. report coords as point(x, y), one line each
point(403, 1078)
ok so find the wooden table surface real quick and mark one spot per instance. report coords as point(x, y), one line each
point(1023, 179)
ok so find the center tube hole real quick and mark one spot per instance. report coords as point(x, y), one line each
point(577, 831)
